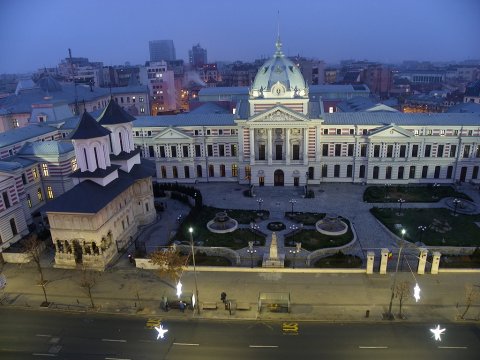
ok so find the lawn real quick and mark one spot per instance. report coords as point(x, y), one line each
point(305, 218)
point(313, 240)
point(428, 193)
point(204, 260)
point(198, 219)
point(339, 260)
point(442, 228)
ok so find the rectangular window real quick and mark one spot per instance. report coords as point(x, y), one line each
point(29, 201)
point(295, 152)
point(466, 151)
point(453, 150)
point(449, 172)
point(196, 132)
point(389, 151)
point(324, 170)
point(400, 172)
point(376, 151)
point(325, 131)
point(208, 131)
point(186, 171)
point(325, 150)
point(151, 151)
point(39, 194)
point(477, 152)
point(173, 151)
point(175, 172)
point(339, 131)
point(162, 151)
point(436, 174)
point(376, 170)
point(349, 171)
point(403, 151)
point(351, 147)
point(163, 171)
point(336, 171)
point(352, 131)
point(74, 165)
point(475, 172)
point(210, 150)
point(234, 170)
point(428, 150)
point(424, 172)
point(45, 169)
point(411, 174)
point(388, 172)
point(363, 150)
point(49, 192)
point(233, 149)
point(261, 152)
point(440, 149)
point(6, 200)
point(414, 150)
point(220, 132)
point(338, 149)
point(185, 150)
point(13, 226)
point(221, 150)
point(24, 179)
point(198, 151)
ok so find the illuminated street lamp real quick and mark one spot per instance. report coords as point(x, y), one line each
point(294, 228)
point(389, 313)
point(179, 289)
point(297, 250)
point(254, 228)
point(251, 251)
point(190, 230)
point(456, 202)
point(422, 229)
point(437, 332)
point(400, 202)
point(161, 331)
point(259, 201)
point(292, 202)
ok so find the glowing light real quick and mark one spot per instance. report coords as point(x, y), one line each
point(416, 292)
point(161, 331)
point(179, 289)
point(437, 332)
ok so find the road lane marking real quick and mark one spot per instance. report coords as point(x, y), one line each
point(43, 335)
point(114, 340)
point(452, 347)
point(185, 344)
point(373, 347)
point(40, 354)
point(153, 322)
point(263, 346)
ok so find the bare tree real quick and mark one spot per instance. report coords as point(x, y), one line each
point(171, 262)
point(88, 282)
point(403, 292)
point(32, 247)
point(472, 293)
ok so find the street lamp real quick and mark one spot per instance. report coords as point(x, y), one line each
point(251, 251)
point(294, 228)
point(386, 190)
point(254, 228)
point(259, 201)
point(400, 202)
point(297, 250)
point(292, 202)
point(389, 314)
point(307, 175)
point(422, 229)
point(190, 230)
point(456, 202)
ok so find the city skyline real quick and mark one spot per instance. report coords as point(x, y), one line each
point(38, 34)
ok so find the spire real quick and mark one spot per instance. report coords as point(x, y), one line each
point(278, 43)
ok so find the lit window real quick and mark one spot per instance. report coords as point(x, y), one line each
point(35, 173)
point(45, 169)
point(74, 165)
point(49, 192)
point(39, 194)
point(29, 201)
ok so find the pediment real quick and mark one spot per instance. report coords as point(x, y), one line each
point(390, 131)
point(278, 114)
point(173, 134)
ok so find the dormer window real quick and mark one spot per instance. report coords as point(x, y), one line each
point(42, 118)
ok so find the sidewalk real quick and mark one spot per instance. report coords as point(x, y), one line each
point(321, 297)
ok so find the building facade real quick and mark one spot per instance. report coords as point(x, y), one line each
point(162, 50)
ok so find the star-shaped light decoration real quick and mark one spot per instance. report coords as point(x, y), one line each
point(161, 331)
point(437, 332)
point(416, 292)
point(179, 289)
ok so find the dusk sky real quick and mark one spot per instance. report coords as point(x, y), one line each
point(35, 33)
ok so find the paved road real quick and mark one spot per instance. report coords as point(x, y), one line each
point(37, 334)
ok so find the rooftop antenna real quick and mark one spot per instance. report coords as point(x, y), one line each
point(76, 110)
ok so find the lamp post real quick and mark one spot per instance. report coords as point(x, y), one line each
point(292, 202)
point(297, 250)
point(455, 205)
point(422, 229)
point(190, 230)
point(389, 314)
point(435, 191)
point(254, 228)
point(251, 251)
point(386, 191)
point(307, 174)
point(400, 202)
point(294, 228)
point(259, 201)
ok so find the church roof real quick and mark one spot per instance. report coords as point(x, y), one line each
point(114, 114)
point(88, 128)
point(46, 148)
point(17, 135)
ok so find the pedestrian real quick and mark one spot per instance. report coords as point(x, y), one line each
point(181, 305)
point(166, 306)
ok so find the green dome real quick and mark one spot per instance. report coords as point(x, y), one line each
point(279, 77)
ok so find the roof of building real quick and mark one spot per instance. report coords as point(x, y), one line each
point(186, 120)
point(361, 103)
point(88, 128)
point(220, 90)
point(473, 89)
point(46, 148)
point(114, 114)
point(401, 119)
point(17, 135)
point(8, 166)
point(468, 107)
point(210, 108)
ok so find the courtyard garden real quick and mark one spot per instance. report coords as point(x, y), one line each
point(433, 227)
point(410, 193)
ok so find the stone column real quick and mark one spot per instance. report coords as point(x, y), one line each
point(252, 147)
point(269, 146)
point(383, 261)
point(305, 146)
point(435, 262)
point(370, 261)
point(56, 246)
point(287, 146)
point(422, 260)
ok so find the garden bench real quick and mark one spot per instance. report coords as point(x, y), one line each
point(209, 306)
